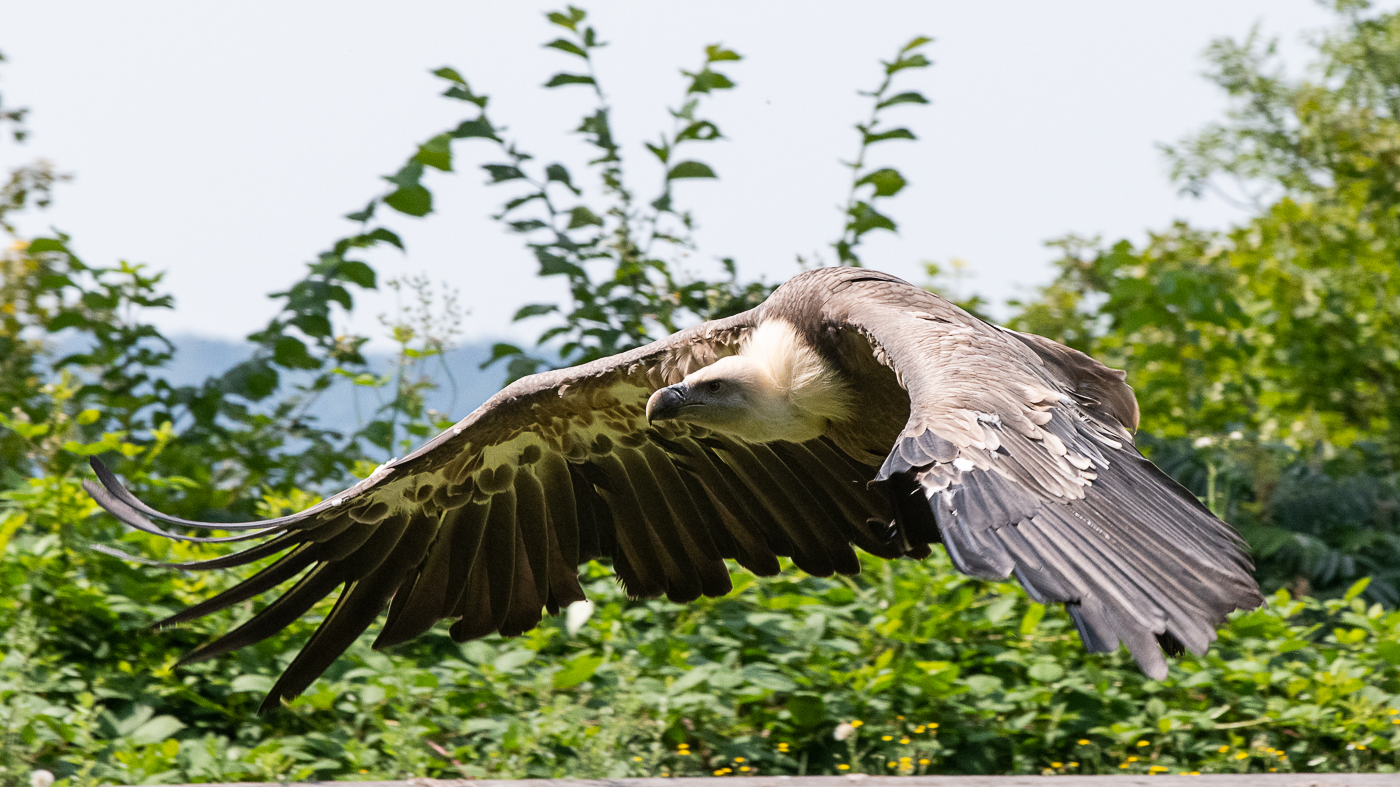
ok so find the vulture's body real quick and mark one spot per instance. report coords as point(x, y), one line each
point(850, 409)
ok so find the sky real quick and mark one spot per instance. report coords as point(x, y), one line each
point(222, 143)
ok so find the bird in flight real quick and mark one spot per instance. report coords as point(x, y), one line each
point(850, 409)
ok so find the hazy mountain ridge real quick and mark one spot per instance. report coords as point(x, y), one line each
point(199, 357)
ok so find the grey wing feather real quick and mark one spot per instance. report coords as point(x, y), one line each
point(1020, 450)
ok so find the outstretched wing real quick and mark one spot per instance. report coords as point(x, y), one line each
point(487, 523)
point(1017, 456)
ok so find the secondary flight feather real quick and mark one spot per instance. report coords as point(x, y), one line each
point(849, 410)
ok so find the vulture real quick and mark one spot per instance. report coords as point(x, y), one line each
point(849, 410)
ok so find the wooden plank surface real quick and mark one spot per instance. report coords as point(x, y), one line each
point(860, 780)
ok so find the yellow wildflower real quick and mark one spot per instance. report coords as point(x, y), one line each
point(1143, 743)
point(1074, 765)
point(843, 767)
point(1155, 769)
point(920, 728)
point(636, 759)
point(1057, 765)
point(1223, 749)
point(1241, 755)
point(1132, 759)
point(738, 759)
point(1083, 741)
point(903, 740)
point(745, 768)
point(856, 722)
point(886, 737)
point(924, 761)
point(890, 764)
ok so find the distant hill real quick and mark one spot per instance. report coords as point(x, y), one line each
point(199, 357)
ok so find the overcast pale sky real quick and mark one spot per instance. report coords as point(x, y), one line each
point(223, 142)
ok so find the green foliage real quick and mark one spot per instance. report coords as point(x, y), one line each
point(967, 675)
point(860, 212)
point(1269, 354)
point(1262, 357)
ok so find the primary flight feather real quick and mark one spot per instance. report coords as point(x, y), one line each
point(849, 409)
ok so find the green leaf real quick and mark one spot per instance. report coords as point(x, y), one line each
point(380, 433)
point(898, 133)
point(887, 182)
point(1046, 672)
point(701, 130)
point(501, 350)
point(915, 43)
point(260, 684)
point(450, 74)
point(1032, 618)
point(413, 201)
point(998, 610)
point(561, 79)
point(1389, 650)
point(865, 218)
point(767, 677)
point(807, 710)
point(913, 61)
point(708, 80)
point(291, 353)
point(911, 97)
point(41, 245)
point(356, 272)
point(313, 325)
point(559, 174)
point(716, 52)
point(577, 670)
point(564, 45)
point(387, 236)
point(1357, 588)
point(408, 175)
point(65, 319)
point(253, 380)
point(690, 169)
point(156, 730)
point(583, 217)
point(533, 310)
point(570, 20)
point(366, 214)
point(436, 153)
point(513, 660)
point(481, 127)
point(503, 172)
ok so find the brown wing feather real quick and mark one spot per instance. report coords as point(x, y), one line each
point(488, 522)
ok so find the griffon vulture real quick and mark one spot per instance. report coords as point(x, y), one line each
point(851, 409)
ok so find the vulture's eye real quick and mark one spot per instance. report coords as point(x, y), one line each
point(714, 386)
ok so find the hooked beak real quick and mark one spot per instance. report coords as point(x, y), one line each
point(666, 403)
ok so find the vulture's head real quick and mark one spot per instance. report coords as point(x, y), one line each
point(776, 388)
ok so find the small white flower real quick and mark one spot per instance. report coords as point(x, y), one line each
point(843, 731)
point(1203, 442)
point(40, 778)
point(578, 614)
point(1237, 435)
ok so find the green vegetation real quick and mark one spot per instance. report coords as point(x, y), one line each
point(1266, 358)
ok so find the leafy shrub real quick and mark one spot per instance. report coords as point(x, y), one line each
point(907, 668)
